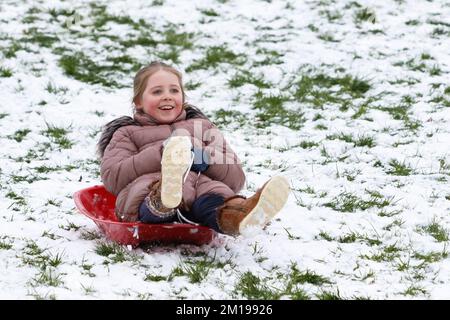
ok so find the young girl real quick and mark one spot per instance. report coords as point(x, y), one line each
point(170, 163)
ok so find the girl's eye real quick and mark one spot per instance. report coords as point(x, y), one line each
point(157, 91)
point(175, 90)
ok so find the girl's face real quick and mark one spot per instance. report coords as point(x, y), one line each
point(162, 98)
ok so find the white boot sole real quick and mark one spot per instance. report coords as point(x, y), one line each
point(175, 163)
point(272, 200)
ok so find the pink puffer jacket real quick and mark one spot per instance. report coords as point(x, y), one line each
point(131, 161)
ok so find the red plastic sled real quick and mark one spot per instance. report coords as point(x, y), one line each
point(98, 204)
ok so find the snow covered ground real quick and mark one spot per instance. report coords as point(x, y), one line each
point(349, 99)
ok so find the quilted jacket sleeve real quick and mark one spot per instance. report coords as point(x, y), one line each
point(224, 164)
point(122, 162)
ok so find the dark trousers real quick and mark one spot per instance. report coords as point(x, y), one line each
point(203, 211)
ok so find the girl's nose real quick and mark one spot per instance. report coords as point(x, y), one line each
point(167, 97)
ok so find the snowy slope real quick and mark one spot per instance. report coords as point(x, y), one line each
point(349, 99)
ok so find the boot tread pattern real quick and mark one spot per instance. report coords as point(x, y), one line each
point(273, 198)
point(176, 161)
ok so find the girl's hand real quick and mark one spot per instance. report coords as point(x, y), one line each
point(201, 160)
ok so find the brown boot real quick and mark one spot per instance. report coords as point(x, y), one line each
point(154, 203)
point(238, 212)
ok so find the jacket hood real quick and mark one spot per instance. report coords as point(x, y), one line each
point(109, 129)
point(112, 126)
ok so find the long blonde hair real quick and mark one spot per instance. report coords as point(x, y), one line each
point(141, 77)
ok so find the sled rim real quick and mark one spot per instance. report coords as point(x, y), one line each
point(136, 233)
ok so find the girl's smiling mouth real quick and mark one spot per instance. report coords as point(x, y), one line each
point(166, 107)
